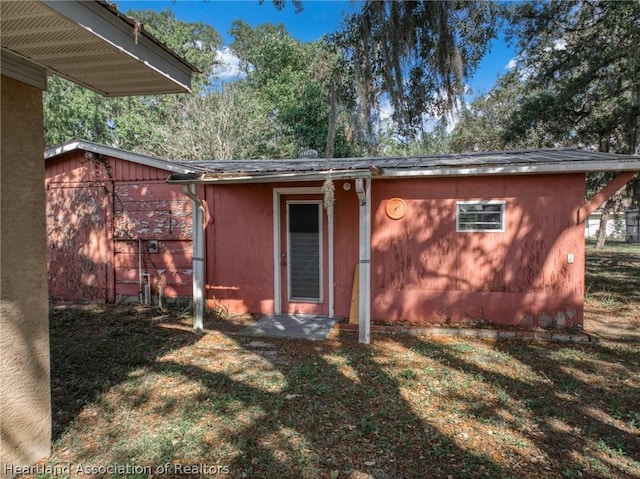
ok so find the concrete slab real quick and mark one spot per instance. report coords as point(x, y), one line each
point(296, 326)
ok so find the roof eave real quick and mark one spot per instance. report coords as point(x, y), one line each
point(107, 24)
point(289, 177)
point(551, 168)
point(75, 144)
point(387, 173)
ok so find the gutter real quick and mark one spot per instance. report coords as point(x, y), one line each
point(398, 173)
point(197, 257)
point(107, 24)
point(210, 178)
point(565, 167)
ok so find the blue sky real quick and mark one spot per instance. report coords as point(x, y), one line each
point(318, 18)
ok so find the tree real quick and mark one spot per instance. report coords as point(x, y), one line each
point(483, 125)
point(580, 63)
point(433, 141)
point(227, 123)
point(196, 42)
point(418, 53)
point(300, 82)
point(72, 111)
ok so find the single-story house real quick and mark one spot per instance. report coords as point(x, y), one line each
point(116, 231)
point(481, 237)
point(492, 237)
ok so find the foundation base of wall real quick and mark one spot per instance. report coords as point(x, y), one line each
point(489, 334)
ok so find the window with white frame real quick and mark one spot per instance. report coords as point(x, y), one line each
point(480, 216)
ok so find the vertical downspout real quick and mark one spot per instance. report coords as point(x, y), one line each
point(277, 260)
point(198, 257)
point(367, 269)
point(140, 287)
point(330, 219)
point(363, 190)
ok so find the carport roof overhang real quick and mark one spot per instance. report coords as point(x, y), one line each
point(523, 162)
point(90, 43)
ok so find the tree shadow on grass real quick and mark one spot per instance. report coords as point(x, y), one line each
point(93, 348)
point(135, 393)
point(336, 410)
point(556, 397)
point(132, 392)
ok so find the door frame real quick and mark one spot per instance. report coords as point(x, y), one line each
point(277, 250)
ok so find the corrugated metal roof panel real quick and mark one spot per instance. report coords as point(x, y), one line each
point(504, 162)
point(494, 163)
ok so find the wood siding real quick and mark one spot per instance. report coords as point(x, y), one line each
point(79, 252)
point(106, 217)
point(239, 247)
point(425, 271)
point(422, 270)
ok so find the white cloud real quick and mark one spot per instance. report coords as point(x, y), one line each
point(229, 68)
point(385, 109)
point(512, 64)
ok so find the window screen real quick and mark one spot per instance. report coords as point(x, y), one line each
point(305, 247)
point(480, 216)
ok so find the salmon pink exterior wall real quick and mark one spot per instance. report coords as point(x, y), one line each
point(422, 270)
point(240, 248)
point(346, 249)
point(105, 217)
point(425, 271)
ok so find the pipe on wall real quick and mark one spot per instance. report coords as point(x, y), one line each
point(198, 257)
point(363, 191)
point(140, 285)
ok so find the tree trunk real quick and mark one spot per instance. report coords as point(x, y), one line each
point(331, 130)
point(604, 219)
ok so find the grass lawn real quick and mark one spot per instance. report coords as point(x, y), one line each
point(612, 284)
point(132, 386)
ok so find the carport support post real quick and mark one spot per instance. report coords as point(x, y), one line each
point(198, 257)
point(363, 190)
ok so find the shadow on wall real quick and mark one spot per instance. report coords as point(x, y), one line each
point(26, 417)
point(425, 271)
point(104, 229)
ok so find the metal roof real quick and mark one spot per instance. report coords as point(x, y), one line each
point(515, 162)
point(84, 145)
point(93, 44)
